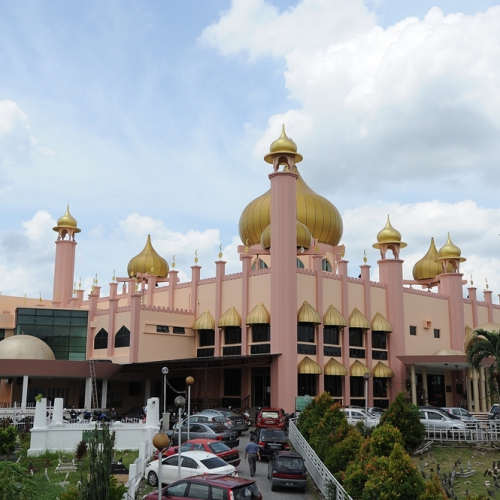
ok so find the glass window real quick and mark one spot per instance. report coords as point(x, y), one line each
point(437, 333)
point(307, 384)
point(331, 335)
point(326, 266)
point(101, 339)
point(122, 337)
point(333, 385)
point(179, 329)
point(379, 387)
point(413, 330)
point(177, 491)
point(261, 333)
point(218, 493)
point(259, 264)
point(232, 335)
point(199, 491)
point(379, 340)
point(300, 264)
point(305, 332)
point(2, 333)
point(357, 387)
point(207, 337)
point(162, 329)
point(232, 382)
point(356, 337)
point(189, 463)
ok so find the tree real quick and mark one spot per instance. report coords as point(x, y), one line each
point(405, 417)
point(484, 345)
point(14, 483)
point(313, 413)
point(8, 438)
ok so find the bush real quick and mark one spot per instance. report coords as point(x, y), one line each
point(344, 451)
point(8, 438)
point(330, 429)
point(15, 484)
point(383, 440)
point(405, 417)
point(313, 413)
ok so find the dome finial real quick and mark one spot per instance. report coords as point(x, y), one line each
point(283, 145)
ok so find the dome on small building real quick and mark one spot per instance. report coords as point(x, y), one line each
point(67, 221)
point(25, 347)
point(283, 144)
point(148, 261)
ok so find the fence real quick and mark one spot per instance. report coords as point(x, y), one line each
point(475, 431)
point(323, 478)
point(136, 470)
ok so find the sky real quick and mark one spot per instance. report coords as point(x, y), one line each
point(154, 117)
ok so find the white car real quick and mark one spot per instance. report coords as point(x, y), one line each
point(355, 415)
point(193, 463)
point(439, 422)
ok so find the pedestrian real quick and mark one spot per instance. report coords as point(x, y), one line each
point(253, 452)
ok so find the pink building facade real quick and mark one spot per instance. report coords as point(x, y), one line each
point(293, 322)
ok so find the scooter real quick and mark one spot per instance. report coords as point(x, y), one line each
point(248, 420)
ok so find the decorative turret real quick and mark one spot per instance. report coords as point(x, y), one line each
point(389, 239)
point(148, 262)
point(66, 226)
point(450, 255)
point(283, 150)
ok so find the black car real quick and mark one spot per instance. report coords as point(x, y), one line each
point(207, 431)
point(287, 469)
point(235, 421)
point(270, 441)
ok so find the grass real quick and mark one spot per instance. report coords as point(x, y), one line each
point(448, 457)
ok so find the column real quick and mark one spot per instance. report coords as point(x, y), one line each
point(88, 393)
point(220, 267)
point(245, 330)
point(104, 393)
point(424, 385)
point(113, 307)
point(451, 285)
point(413, 380)
point(135, 323)
point(24, 396)
point(475, 383)
point(195, 278)
point(342, 270)
point(318, 271)
point(172, 283)
point(482, 389)
point(365, 276)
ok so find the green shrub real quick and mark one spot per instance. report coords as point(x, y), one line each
point(15, 484)
point(313, 413)
point(344, 451)
point(383, 439)
point(433, 489)
point(405, 417)
point(8, 438)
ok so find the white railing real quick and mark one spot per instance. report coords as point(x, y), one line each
point(476, 431)
point(136, 470)
point(323, 478)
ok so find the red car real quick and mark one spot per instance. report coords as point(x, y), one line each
point(229, 455)
point(272, 417)
point(209, 486)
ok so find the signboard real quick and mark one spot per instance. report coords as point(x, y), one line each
point(301, 402)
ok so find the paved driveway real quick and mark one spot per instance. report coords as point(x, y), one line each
point(261, 476)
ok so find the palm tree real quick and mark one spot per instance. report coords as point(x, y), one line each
point(486, 345)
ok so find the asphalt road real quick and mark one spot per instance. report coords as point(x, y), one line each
point(261, 476)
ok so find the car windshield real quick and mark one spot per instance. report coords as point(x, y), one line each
point(213, 463)
point(217, 427)
point(290, 463)
point(270, 414)
point(272, 434)
point(218, 447)
point(247, 492)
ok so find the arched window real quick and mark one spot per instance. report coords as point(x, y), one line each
point(260, 263)
point(326, 266)
point(122, 337)
point(300, 264)
point(101, 339)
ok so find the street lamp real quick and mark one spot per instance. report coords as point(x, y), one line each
point(366, 376)
point(189, 383)
point(180, 402)
point(164, 371)
point(160, 441)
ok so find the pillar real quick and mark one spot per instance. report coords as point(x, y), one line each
point(342, 270)
point(365, 276)
point(413, 380)
point(450, 284)
point(424, 385)
point(104, 393)
point(220, 267)
point(24, 396)
point(172, 283)
point(88, 393)
point(245, 329)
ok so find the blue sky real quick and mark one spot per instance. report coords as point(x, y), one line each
point(153, 117)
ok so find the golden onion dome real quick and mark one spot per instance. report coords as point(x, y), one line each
point(148, 261)
point(67, 221)
point(427, 267)
point(304, 237)
point(318, 214)
point(283, 144)
point(450, 251)
point(389, 235)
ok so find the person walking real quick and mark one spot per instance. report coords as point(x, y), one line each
point(253, 452)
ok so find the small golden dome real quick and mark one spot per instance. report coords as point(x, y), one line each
point(283, 145)
point(67, 220)
point(148, 261)
point(318, 214)
point(389, 235)
point(304, 237)
point(427, 267)
point(450, 251)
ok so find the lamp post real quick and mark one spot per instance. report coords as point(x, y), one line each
point(164, 371)
point(160, 441)
point(366, 376)
point(189, 383)
point(180, 403)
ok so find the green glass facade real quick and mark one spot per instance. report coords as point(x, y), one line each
point(64, 330)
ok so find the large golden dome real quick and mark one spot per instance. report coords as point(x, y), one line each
point(319, 215)
point(148, 261)
point(304, 236)
point(427, 267)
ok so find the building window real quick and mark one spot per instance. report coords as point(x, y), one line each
point(329, 350)
point(357, 353)
point(331, 335)
point(379, 340)
point(379, 387)
point(101, 339)
point(305, 332)
point(179, 329)
point(134, 388)
point(261, 333)
point(205, 353)
point(437, 333)
point(357, 387)
point(413, 330)
point(307, 384)
point(162, 329)
point(207, 337)
point(379, 355)
point(234, 350)
point(2, 333)
point(300, 264)
point(122, 337)
point(260, 349)
point(259, 264)
point(306, 349)
point(232, 335)
point(232, 382)
point(326, 266)
point(356, 337)
point(333, 385)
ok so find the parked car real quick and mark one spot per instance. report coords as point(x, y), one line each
point(461, 413)
point(287, 469)
point(229, 455)
point(355, 415)
point(193, 463)
point(272, 417)
point(204, 418)
point(376, 411)
point(210, 486)
point(234, 421)
point(440, 422)
point(494, 412)
point(270, 440)
point(209, 430)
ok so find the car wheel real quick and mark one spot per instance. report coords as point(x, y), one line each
point(273, 488)
point(153, 479)
point(302, 490)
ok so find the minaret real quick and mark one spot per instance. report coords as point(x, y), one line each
point(283, 153)
point(64, 268)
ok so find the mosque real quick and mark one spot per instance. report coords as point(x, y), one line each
point(294, 322)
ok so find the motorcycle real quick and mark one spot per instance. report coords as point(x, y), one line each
point(248, 420)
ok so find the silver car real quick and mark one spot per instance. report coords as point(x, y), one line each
point(355, 415)
point(440, 423)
